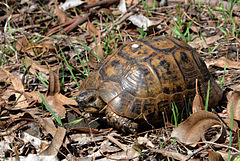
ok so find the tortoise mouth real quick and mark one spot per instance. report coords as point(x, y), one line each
point(92, 109)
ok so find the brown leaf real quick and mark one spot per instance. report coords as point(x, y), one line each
point(22, 44)
point(65, 100)
point(61, 16)
point(91, 29)
point(93, 60)
point(195, 28)
point(131, 2)
point(47, 124)
point(202, 43)
point(197, 101)
point(18, 86)
point(234, 104)
point(194, 128)
point(91, 1)
point(56, 105)
point(222, 61)
point(33, 96)
point(3, 75)
point(54, 85)
point(54, 99)
point(49, 45)
point(105, 11)
point(215, 156)
point(56, 143)
point(35, 66)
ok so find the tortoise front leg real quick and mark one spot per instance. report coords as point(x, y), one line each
point(121, 123)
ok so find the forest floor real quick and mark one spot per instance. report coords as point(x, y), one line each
point(48, 48)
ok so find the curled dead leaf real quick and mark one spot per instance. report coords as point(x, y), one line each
point(195, 128)
point(54, 99)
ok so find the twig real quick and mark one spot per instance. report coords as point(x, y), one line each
point(222, 145)
point(112, 139)
point(101, 3)
point(172, 154)
point(12, 129)
point(194, 152)
point(121, 18)
point(72, 24)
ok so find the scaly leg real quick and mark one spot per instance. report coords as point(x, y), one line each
point(121, 123)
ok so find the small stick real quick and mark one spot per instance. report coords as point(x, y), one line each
point(112, 139)
point(12, 129)
point(101, 3)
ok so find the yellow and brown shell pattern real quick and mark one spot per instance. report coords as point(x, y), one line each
point(142, 78)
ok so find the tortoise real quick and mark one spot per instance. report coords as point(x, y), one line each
point(141, 79)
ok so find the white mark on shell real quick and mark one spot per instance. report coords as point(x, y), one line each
point(135, 45)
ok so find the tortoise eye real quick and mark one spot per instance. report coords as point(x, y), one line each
point(92, 99)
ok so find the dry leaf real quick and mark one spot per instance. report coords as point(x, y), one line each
point(35, 66)
point(91, 29)
point(56, 143)
point(54, 85)
point(139, 20)
point(194, 128)
point(195, 28)
point(204, 44)
point(105, 11)
point(93, 60)
point(215, 156)
point(125, 155)
point(3, 75)
point(51, 99)
point(47, 124)
point(197, 101)
point(71, 4)
point(18, 86)
point(221, 62)
point(108, 147)
point(54, 99)
point(36, 142)
point(145, 142)
point(61, 16)
point(234, 104)
point(130, 2)
point(22, 44)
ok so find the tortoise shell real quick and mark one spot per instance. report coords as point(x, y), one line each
point(142, 78)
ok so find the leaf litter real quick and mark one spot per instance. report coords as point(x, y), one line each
point(49, 47)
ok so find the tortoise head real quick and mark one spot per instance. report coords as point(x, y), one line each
point(90, 101)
